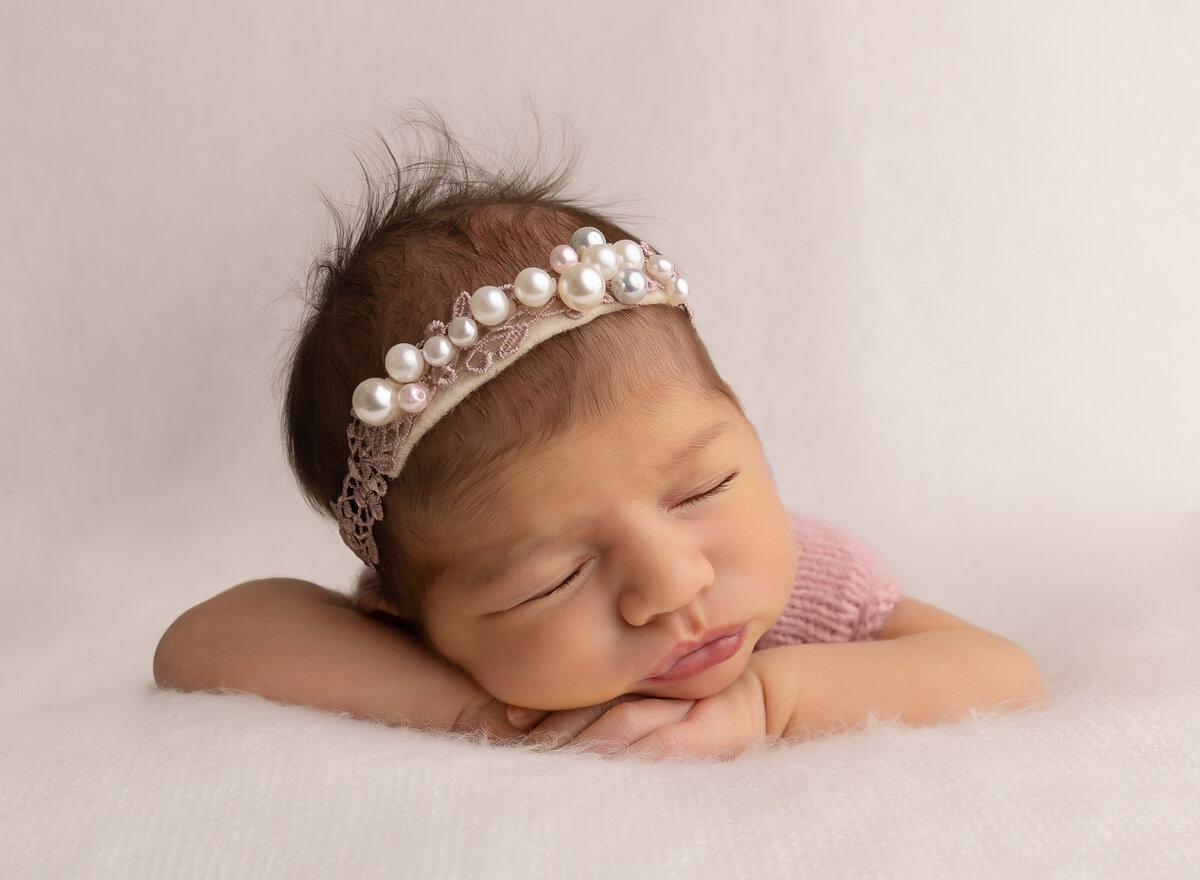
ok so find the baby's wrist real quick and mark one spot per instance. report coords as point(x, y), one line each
point(778, 676)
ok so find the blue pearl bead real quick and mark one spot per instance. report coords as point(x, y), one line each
point(586, 237)
point(629, 286)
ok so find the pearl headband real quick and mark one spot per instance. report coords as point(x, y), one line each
point(487, 331)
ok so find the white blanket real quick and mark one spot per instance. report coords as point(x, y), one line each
point(133, 782)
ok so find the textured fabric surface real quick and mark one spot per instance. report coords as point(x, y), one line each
point(132, 782)
point(842, 594)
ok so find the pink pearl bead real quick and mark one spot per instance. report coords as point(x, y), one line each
point(563, 257)
point(413, 397)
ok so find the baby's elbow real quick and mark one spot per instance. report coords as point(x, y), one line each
point(1034, 687)
point(238, 639)
point(165, 669)
point(192, 653)
point(1016, 680)
point(175, 657)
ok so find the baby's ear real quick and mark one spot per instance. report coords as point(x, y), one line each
point(369, 598)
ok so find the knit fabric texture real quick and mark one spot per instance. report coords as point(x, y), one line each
point(842, 592)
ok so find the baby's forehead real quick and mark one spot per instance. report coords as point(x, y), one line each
point(636, 381)
point(644, 446)
point(657, 421)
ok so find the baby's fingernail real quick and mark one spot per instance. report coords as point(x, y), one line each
point(520, 717)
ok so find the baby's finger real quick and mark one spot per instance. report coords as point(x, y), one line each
point(685, 739)
point(631, 722)
point(559, 728)
point(489, 717)
point(523, 718)
point(704, 733)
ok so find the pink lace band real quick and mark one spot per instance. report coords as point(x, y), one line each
point(487, 331)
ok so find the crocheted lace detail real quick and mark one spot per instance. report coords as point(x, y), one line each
point(372, 455)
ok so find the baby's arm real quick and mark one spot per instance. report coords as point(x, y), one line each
point(926, 666)
point(294, 642)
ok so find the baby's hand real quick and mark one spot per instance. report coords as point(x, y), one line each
point(486, 715)
point(719, 726)
point(607, 728)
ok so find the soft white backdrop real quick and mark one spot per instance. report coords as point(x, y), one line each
point(946, 252)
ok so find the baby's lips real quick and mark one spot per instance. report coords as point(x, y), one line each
point(524, 718)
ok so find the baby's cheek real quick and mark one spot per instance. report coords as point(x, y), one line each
point(771, 552)
point(786, 555)
point(559, 669)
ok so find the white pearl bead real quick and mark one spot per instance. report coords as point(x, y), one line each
point(404, 363)
point(534, 287)
point(586, 237)
point(563, 257)
point(413, 398)
point(603, 258)
point(437, 351)
point(375, 403)
point(581, 287)
point(659, 267)
point(490, 306)
point(629, 286)
point(463, 331)
point(678, 290)
point(630, 254)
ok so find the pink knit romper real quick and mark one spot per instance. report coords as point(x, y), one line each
point(842, 592)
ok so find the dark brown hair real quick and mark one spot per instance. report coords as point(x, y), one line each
point(428, 229)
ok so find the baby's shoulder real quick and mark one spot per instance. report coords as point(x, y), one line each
point(843, 591)
point(823, 541)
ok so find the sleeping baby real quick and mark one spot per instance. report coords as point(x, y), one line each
point(570, 531)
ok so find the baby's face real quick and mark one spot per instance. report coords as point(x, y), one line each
point(646, 555)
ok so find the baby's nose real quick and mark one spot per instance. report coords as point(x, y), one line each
point(664, 580)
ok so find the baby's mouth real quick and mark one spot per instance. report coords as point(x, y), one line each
point(691, 658)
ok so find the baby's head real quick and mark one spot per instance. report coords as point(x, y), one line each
point(567, 517)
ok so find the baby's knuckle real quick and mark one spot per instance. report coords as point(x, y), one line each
point(671, 741)
point(627, 717)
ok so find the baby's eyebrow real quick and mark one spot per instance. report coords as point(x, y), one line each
point(696, 445)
